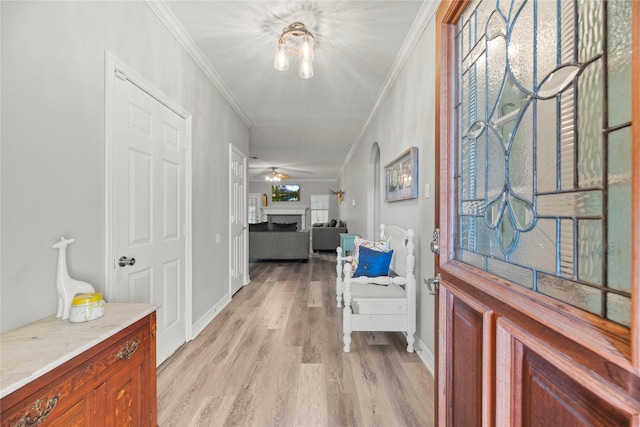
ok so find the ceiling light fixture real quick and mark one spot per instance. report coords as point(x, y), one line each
point(302, 44)
point(274, 176)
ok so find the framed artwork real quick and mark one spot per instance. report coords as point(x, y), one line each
point(401, 177)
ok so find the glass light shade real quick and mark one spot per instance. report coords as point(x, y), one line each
point(306, 67)
point(306, 48)
point(281, 62)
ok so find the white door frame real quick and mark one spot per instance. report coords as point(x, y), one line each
point(245, 233)
point(373, 192)
point(114, 65)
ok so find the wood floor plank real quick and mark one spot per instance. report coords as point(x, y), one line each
point(273, 357)
point(345, 410)
point(281, 312)
point(259, 375)
point(374, 402)
point(314, 343)
point(338, 366)
point(210, 410)
point(315, 294)
point(311, 404)
point(278, 408)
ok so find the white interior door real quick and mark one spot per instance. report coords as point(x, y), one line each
point(238, 254)
point(150, 217)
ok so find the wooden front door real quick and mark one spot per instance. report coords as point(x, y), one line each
point(539, 151)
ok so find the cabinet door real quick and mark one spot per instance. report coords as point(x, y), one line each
point(76, 416)
point(465, 365)
point(123, 396)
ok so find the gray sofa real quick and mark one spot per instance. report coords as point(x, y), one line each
point(326, 238)
point(273, 245)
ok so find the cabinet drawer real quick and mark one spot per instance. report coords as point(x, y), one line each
point(53, 394)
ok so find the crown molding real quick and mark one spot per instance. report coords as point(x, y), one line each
point(295, 180)
point(166, 16)
point(425, 15)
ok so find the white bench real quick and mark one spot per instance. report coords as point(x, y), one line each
point(368, 306)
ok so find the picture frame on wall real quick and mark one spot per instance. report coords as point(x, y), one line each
point(401, 177)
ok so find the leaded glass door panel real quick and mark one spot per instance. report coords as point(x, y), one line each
point(543, 148)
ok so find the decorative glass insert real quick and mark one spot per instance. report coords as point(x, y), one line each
point(543, 148)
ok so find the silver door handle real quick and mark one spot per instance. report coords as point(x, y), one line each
point(124, 261)
point(433, 283)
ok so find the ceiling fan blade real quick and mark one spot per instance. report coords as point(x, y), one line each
point(283, 175)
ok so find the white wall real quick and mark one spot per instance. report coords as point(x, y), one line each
point(307, 188)
point(53, 136)
point(406, 118)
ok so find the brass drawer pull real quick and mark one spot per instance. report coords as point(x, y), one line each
point(128, 349)
point(39, 411)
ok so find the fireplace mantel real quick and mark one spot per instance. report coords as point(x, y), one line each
point(282, 210)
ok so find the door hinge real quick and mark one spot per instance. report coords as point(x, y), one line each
point(433, 283)
point(121, 75)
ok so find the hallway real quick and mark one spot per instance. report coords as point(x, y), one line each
point(273, 357)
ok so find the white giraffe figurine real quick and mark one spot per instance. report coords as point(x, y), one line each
point(67, 287)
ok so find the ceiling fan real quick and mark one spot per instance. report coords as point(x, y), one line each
point(274, 176)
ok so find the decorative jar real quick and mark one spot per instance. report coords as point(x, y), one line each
point(86, 307)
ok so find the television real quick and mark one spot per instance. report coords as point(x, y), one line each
point(285, 193)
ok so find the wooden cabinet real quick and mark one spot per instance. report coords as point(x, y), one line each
point(500, 367)
point(112, 383)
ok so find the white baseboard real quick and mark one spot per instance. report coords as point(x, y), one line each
point(426, 356)
point(211, 314)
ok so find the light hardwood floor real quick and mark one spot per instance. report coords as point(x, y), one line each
point(273, 357)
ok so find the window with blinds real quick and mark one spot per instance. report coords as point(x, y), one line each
point(319, 208)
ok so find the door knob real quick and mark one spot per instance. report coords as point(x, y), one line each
point(124, 261)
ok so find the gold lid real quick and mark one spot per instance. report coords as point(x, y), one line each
point(82, 299)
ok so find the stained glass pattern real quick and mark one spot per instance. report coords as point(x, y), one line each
point(543, 176)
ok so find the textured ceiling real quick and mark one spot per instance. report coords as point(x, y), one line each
point(305, 128)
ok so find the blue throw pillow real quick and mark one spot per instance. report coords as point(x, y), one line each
point(373, 263)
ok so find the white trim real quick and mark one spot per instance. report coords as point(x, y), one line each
point(114, 64)
point(425, 15)
point(160, 8)
point(200, 324)
point(426, 356)
point(295, 180)
point(282, 210)
point(373, 186)
point(189, 226)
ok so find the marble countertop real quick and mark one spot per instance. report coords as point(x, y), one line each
point(33, 350)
